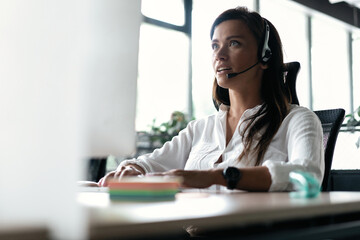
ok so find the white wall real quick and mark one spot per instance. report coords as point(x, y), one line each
point(54, 71)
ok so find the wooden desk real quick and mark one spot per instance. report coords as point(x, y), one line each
point(211, 211)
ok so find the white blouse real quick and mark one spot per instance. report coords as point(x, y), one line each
point(297, 145)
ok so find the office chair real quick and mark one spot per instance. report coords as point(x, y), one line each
point(96, 169)
point(291, 71)
point(331, 120)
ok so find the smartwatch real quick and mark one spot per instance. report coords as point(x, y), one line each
point(232, 176)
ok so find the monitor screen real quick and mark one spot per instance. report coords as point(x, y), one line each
point(109, 74)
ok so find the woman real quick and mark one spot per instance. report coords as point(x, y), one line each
point(257, 138)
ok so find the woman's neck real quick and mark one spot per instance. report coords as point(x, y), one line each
point(240, 102)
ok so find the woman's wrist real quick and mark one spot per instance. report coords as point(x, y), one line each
point(217, 175)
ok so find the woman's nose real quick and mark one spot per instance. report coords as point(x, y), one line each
point(221, 54)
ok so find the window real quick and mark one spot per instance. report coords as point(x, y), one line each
point(330, 61)
point(163, 79)
point(163, 75)
point(294, 37)
point(164, 10)
point(356, 68)
point(347, 151)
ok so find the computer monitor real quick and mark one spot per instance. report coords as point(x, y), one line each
point(67, 93)
point(109, 74)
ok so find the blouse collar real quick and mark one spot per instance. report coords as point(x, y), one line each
point(248, 112)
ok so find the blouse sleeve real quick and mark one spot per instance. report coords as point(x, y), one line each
point(172, 155)
point(304, 140)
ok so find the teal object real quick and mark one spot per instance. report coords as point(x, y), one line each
point(306, 186)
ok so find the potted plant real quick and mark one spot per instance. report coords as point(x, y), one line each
point(353, 118)
point(353, 121)
point(159, 134)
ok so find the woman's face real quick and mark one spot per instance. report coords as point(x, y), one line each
point(234, 50)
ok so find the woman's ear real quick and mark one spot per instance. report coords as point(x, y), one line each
point(264, 66)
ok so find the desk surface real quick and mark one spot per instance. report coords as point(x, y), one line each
point(208, 211)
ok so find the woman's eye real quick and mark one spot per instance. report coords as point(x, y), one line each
point(214, 46)
point(234, 43)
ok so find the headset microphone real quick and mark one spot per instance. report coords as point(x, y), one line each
point(231, 75)
point(265, 53)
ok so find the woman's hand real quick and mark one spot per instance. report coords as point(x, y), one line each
point(194, 178)
point(128, 170)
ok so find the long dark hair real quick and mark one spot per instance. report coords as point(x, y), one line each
point(274, 93)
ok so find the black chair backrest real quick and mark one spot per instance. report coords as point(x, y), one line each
point(291, 70)
point(331, 121)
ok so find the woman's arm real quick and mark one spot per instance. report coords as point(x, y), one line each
point(172, 155)
point(253, 178)
point(302, 135)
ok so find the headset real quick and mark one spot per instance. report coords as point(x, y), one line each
point(266, 51)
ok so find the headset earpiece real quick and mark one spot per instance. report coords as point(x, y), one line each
point(266, 51)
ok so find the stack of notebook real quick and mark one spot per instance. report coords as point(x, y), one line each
point(144, 189)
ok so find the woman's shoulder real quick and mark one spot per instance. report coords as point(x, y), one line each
point(296, 110)
point(302, 114)
point(204, 120)
point(207, 122)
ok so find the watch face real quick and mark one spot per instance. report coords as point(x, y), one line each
point(232, 176)
point(232, 173)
